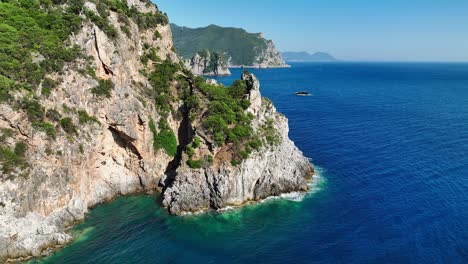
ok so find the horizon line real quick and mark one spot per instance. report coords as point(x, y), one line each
point(380, 61)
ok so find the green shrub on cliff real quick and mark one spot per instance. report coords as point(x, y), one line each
point(6, 133)
point(189, 150)
point(13, 159)
point(157, 35)
point(126, 30)
point(48, 128)
point(104, 88)
point(47, 86)
point(34, 109)
point(165, 138)
point(148, 20)
point(84, 117)
point(160, 79)
point(269, 133)
point(195, 164)
point(196, 142)
point(68, 126)
point(20, 148)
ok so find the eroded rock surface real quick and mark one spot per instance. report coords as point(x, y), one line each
point(207, 64)
point(113, 156)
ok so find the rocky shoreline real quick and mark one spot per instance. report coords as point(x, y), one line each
point(53, 248)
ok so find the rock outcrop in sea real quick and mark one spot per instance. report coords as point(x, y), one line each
point(270, 171)
point(207, 63)
point(119, 119)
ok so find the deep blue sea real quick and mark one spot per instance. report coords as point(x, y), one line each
point(390, 141)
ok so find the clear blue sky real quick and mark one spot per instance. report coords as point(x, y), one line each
point(378, 30)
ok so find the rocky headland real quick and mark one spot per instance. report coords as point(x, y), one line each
point(124, 115)
point(239, 47)
point(278, 167)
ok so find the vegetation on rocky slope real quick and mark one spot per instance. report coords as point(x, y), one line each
point(104, 88)
point(143, 20)
point(35, 44)
point(226, 121)
point(12, 159)
point(237, 43)
point(33, 41)
point(215, 60)
point(164, 138)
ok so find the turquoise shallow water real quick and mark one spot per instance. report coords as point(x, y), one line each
point(391, 140)
point(135, 229)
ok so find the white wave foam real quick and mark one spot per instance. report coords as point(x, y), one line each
point(315, 186)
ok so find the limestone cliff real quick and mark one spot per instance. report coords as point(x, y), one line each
point(207, 63)
point(268, 57)
point(122, 118)
point(69, 172)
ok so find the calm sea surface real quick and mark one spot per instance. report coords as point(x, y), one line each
point(391, 144)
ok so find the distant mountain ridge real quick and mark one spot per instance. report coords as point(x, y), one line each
point(304, 56)
point(236, 46)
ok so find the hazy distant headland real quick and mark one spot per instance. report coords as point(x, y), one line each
point(303, 56)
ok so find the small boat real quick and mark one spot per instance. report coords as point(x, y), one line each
point(302, 93)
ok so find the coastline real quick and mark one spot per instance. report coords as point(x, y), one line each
point(51, 231)
point(312, 180)
point(52, 248)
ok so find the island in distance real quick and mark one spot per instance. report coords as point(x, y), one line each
point(303, 56)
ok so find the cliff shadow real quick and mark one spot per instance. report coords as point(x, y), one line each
point(185, 136)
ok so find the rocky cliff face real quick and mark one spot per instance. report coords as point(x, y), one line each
point(270, 171)
point(99, 138)
point(268, 57)
point(97, 160)
point(207, 64)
